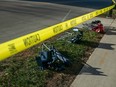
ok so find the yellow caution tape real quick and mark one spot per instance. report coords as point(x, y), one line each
point(17, 45)
point(114, 1)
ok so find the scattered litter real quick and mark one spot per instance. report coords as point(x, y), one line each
point(72, 37)
point(51, 58)
point(96, 26)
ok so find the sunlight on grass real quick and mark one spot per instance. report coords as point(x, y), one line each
point(21, 70)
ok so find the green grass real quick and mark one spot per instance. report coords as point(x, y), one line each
point(21, 70)
point(114, 11)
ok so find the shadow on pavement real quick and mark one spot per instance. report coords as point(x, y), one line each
point(89, 70)
point(94, 4)
point(111, 31)
point(107, 46)
point(82, 68)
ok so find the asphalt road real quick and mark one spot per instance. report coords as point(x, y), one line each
point(18, 18)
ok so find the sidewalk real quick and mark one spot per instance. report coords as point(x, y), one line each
point(100, 69)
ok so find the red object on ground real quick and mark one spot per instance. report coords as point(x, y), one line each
point(99, 28)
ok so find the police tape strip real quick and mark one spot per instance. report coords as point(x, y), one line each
point(114, 1)
point(19, 44)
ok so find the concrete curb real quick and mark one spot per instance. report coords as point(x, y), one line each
point(99, 71)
